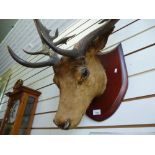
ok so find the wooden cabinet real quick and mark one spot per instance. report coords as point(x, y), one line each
point(0, 121)
point(20, 111)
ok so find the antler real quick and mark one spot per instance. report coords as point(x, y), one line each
point(84, 44)
point(44, 34)
point(54, 59)
point(96, 39)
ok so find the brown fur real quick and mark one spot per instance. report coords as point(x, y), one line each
point(76, 94)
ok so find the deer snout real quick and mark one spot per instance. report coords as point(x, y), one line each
point(63, 125)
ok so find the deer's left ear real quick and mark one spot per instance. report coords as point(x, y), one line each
point(101, 40)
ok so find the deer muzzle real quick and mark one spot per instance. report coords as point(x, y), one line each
point(63, 125)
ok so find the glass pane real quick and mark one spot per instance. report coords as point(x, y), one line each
point(27, 115)
point(12, 117)
point(3, 83)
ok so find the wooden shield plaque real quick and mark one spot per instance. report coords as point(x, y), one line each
point(104, 106)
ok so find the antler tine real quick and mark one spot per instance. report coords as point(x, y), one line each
point(50, 62)
point(60, 41)
point(47, 31)
point(44, 51)
point(63, 40)
point(36, 53)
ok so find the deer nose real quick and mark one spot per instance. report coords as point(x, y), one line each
point(63, 125)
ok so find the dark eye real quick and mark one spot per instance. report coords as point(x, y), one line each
point(84, 72)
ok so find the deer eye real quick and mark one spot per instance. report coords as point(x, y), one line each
point(84, 72)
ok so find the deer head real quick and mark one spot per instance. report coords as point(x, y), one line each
point(78, 74)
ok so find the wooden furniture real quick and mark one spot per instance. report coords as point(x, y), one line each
point(20, 111)
point(104, 106)
point(0, 121)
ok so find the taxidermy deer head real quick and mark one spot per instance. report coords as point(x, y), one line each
point(78, 74)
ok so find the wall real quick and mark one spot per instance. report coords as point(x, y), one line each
point(5, 26)
point(136, 115)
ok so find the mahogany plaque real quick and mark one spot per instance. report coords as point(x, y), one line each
point(104, 106)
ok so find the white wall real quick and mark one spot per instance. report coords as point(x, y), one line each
point(136, 114)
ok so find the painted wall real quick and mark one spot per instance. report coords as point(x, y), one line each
point(136, 114)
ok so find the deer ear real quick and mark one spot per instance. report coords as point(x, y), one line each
point(100, 41)
point(98, 44)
